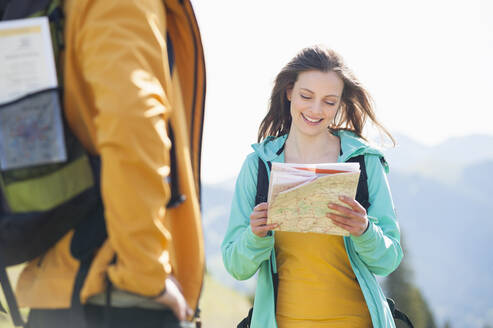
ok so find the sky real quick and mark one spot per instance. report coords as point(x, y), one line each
point(427, 64)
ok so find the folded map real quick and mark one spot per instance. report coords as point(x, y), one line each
point(299, 195)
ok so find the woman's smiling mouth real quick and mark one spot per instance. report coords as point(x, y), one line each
point(311, 120)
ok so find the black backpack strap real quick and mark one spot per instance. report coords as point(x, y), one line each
point(362, 195)
point(260, 197)
point(245, 323)
point(262, 182)
point(275, 283)
point(397, 314)
point(88, 236)
point(176, 196)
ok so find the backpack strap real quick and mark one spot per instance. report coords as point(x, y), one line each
point(397, 314)
point(176, 196)
point(245, 323)
point(262, 182)
point(362, 195)
point(260, 197)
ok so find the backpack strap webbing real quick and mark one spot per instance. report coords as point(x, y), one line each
point(262, 182)
point(397, 314)
point(362, 195)
point(176, 197)
point(261, 197)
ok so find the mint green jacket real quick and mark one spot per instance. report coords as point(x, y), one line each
point(376, 252)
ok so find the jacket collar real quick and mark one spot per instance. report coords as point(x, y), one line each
point(351, 146)
point(269, 149)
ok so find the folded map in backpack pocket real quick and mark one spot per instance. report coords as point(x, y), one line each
point(31, 128)
point(31, 131)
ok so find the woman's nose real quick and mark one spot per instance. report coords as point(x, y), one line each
point(316, 107)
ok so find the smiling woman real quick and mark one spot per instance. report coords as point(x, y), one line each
point(319, 77)
point(317, 113)
point(314, 99)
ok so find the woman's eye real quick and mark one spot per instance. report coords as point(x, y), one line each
point(330, 103)
point(305, 97)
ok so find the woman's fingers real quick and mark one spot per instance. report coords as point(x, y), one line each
point(352, 219)
point(347, 224)
point(343, 210)
point(258, 215)
point(259, 211)
point(357, 207)
point(258, 220)
point(261, 207)
point(356, 226)
point(346, 220)
point(262, 224)
point(341, 223)
point(265, 228)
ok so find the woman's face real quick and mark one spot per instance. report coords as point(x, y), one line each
point(315, 98)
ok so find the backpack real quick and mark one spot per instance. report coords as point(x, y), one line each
point(362, 196)
point(40, 204)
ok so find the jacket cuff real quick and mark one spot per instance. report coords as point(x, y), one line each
point(254, 241)
point(368, 236)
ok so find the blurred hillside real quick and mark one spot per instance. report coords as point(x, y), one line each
point(441, 195)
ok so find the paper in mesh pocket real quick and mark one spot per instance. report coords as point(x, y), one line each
point(31, 131)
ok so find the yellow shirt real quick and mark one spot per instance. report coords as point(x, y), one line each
point(317, 286)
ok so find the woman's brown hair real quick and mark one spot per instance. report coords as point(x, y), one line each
point(356, 103)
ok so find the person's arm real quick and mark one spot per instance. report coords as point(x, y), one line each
point(121, 48)
point(379, 246)
point(242, 250)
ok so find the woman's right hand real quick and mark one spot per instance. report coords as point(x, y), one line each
point(258, 220)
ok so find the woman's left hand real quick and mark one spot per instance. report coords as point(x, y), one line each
point(353, 219)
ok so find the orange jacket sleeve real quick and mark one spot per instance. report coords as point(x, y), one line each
point(121, 50)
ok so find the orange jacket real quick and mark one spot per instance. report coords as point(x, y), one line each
point(119, 96)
